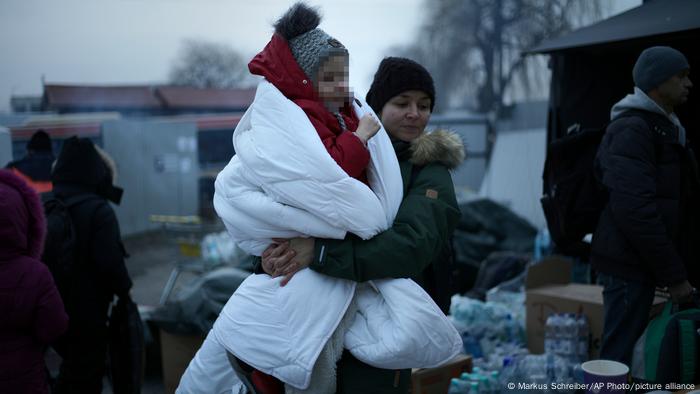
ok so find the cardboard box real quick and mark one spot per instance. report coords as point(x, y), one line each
point(437, 380)
point(574, 298)
point(548, 291)
point(177, 351)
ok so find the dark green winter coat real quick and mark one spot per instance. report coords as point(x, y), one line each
point(416, 246)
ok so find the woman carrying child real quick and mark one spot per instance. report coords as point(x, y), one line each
point(305, 166)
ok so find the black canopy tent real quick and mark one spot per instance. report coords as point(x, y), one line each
point(592, 67)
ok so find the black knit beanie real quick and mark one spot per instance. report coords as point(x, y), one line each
point(40, 142)
point(396, 75)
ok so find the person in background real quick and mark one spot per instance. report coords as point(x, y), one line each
point(35, 167)
point(83, 178)
point(646, 233)
point(417, 246)
point(32, 311)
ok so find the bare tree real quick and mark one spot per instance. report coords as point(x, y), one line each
point(206, 64)
point(473, 47)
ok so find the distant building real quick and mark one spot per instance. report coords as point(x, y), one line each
point(24, 104)
point(144, 100)
point(84, 110)
point(65, 110)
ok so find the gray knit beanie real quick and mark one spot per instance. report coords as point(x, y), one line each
point(310, 45)
point(656, 65)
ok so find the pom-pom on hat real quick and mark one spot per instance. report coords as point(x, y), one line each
point(310, 45)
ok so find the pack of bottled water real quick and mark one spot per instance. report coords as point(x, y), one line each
point(521, 373)
point(477, 382)
point(485, 323)
point(541, 373)
point(566, 335)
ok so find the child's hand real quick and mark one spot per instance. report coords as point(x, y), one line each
point(367, 128)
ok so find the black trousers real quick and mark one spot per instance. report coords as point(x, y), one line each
point(83, 366)
point(356, 377)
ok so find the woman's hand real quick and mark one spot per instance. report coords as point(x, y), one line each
point(276, 255)
point(287, 257)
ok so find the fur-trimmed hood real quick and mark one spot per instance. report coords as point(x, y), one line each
point(22, 222)
point(440, 146)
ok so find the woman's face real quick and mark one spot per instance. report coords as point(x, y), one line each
point(332, 82)
point(405, 115)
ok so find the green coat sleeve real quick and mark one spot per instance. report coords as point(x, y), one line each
point(425, 221)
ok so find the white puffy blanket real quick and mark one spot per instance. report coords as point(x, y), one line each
point(282, 183)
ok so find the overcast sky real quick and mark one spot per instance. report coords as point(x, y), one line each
point(111, 42)
point(135, 41)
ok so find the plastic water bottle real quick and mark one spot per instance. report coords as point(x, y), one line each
point(459, 386)
point(471, 346)
point(510, 374)
point(560, 370)
point(473, 388)
point(570, 338)
point(488, 385)
point(534, 367)
point(551, 334)
point(494, 382)
point(577, 373)
point(582, 332)
point(543, 244)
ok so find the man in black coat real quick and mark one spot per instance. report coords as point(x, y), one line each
point(645, 234)
point(85, 174)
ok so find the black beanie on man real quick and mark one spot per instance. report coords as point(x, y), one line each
point(40, 142)
point(396, 75)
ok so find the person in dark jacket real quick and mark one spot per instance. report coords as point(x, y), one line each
point(85, 174)
point(644, 235)
point(35, 167)
point(32, 312)
point(417, 245)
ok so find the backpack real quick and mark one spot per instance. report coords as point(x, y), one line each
point(669, 349)
point(573, 198)
point(59, 247)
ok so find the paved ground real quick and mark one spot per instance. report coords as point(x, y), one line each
point(152, 258)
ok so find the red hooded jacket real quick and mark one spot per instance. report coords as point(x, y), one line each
point(277, 64)
point(31, 308)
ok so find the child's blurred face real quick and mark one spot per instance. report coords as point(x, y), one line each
point(405, 115)
point(332, 82)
